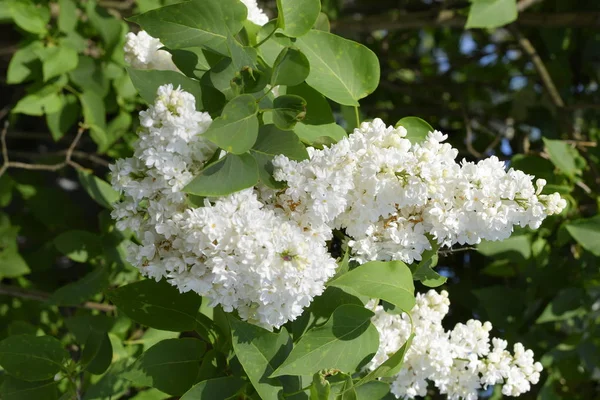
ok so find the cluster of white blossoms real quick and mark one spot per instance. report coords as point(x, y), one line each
point(235, 251)
point(142, 51)
point(390, 196)
point(459, 362)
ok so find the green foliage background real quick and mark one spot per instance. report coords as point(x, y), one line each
point(525, 90)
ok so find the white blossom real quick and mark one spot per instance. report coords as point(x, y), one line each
point(255, 13)
point(142, 51)
point(391, 196)
point(235, 251)
point(459, 362)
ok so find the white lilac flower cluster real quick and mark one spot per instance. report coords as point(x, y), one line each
point(234, 251)
point(390, 196)
point(142, 51)
point(459, 362)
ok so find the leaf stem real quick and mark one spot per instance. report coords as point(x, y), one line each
point(357, 115)
point(265, 39)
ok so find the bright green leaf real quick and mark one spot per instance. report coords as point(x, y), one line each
point(260, 352)
point(563, 156)
point(67, 17)
point(28, 16)
point(587, 233)
point(61, 121)
point(297, 17)
point(389, 367)
point(342, 70)
point(99, 190)
point(24, 64)
point(417, 129)
point(291, 68)
point(196, 23)
point(345, 342)
point(57, 61)
point(236, 129)
point(390, 281)
point(491, 13)
point(230, 174)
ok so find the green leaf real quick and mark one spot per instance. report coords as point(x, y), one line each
point(345, 342)
point(25, 64)
point(32, 358)
point(424, 272)
point(567, 304)
point(43, 101)
point(291, 68)
point(230, 174)
point(318, 110)
point(90, 76)
point(110, 29)
point(374, 390)
point(563, 156)
point(94, 116)
point(28, 16)
point(157, 305)
point(171, 366)
point(97, 352)
point(260, 352)
point(15, 389)
point(241, 56)
point(217, 388)
point(322, 23)
point(417, 129)
point(57, 61)
point(296, 17)
point(340, 69)
point(237, 128)
point(147, 82)
point(288, 110)
point(61, 121)
point(391, 366)
point(194, 61)
point(390, 281)
point(12, 265)
point(273, 141)
point(112, 385)
point(272, 47)
point(153, 336)
point(78, 245)
point(67, 17)
point(587, 233)
point(197, 23)
point(319, 135)
point(320, 388)
point(516, 248)
point(99, 190)
point(491, 13)
point(76, 293)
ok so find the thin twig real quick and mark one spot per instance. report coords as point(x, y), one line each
point(450, 251)
point(540, 67)
point(42, 296)
point(470, 137)
point(39, 167)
